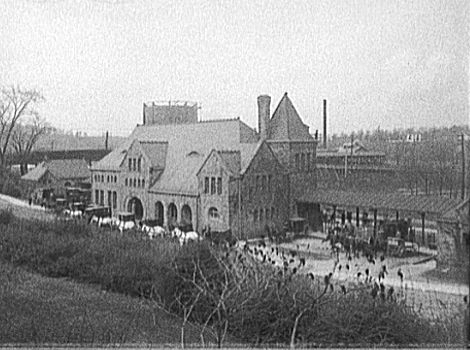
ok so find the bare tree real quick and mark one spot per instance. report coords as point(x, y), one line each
point(15, 104)
point(25, 136)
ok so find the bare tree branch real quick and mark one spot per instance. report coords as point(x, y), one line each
point(15, 104)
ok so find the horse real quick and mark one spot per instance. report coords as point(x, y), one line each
point(105, 221)
point(185, 237)
point(126, 225)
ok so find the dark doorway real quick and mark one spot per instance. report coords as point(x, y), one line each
point(159, 213)
point(135, 206)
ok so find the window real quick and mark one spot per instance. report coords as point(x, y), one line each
point(308, 161)
point(114, 200)
point(212, 185)
point(267, 214)
point(109, 198)
point(263, 183)
point(102, 197)
point(97, 196)
point(135, 182)
point(296, 157)
point(138, 182)
point(302, 162)
point(258, 183)
point(133, 164)
point(213, 213)
point(130, 164)
point(270, 183)
point(139, 163)
point(115, 178)
point(107, 178)
point(219, 185)
point(125, 182)
point(255, 215)
point(206, 185)
point(272, 213)
point(261, 217)
point(143, 183)
point(102, 178)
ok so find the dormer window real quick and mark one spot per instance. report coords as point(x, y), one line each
point(192, 154)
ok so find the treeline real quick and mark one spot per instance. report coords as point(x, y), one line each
point(431, 163)
point(223, 289)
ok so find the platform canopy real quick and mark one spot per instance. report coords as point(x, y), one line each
point(430, 205)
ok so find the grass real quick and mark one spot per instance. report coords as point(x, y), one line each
point(452, 276)
point(257, 305)
point(38, 309)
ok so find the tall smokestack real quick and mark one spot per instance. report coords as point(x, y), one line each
point(106, 141)
point(325, 136)
point(264, 113)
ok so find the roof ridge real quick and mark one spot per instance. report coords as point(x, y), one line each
point(227, 151)
point(217, 120)
point(151, 141)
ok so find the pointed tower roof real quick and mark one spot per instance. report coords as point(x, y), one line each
point(286, 123)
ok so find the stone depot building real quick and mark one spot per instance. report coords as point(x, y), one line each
point(220, 174)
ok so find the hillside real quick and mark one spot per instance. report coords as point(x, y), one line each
point(38, 309)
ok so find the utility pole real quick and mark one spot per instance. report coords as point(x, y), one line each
point(463, 165)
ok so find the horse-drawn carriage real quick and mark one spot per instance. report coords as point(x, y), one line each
point(398, 238)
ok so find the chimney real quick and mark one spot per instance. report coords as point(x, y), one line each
point(264, 113)
point(325, 136)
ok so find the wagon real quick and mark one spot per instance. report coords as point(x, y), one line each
point(398, 247)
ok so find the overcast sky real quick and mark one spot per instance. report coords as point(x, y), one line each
point(378, 63)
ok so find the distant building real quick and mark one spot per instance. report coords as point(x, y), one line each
point(56, 175)
point(164, 113)
point(354, 153)
point(218, 174)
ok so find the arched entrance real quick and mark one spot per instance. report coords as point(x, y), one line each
point(159, 213)
point(135, 206)
point(186, 217)
point(172, 218)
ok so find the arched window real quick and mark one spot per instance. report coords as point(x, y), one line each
point(143, 183)
point(172, 214)
point(67, 184)
point(261, 217)
point(115, 178)
point(138, 182)
point(135, 182)
point(213, 213)
point(255, 215)
point(267, 214)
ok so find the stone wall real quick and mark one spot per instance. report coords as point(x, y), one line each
point(264, 197)
point(214, 169)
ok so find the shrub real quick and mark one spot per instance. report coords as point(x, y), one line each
point(219, 287)
point(6, 216)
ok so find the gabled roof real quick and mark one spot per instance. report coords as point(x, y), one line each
point(286, 123)
point(60, 169)
point(188, 145)
point(35, 174)
point(155, 152)
point(231, 160)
